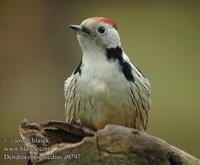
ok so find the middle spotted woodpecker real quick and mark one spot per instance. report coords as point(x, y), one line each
point(105, 88)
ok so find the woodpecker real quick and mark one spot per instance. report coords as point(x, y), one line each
point(105, 88)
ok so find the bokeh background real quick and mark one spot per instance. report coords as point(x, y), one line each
point(38, 51)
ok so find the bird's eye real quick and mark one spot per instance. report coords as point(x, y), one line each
point(101, 29)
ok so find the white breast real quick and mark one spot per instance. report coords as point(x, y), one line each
point(104, 95)
point(103, 79)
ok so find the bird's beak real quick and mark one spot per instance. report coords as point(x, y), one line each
point(76, 28)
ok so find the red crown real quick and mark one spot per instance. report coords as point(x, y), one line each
point(106, 20)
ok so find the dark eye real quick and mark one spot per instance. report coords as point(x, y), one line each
point(101, 29)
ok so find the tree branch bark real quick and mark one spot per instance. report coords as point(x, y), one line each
point(72, 144)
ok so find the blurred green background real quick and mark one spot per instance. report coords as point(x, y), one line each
point(38, 51)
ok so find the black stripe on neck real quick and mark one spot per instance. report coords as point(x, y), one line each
point(116, 54)
point(78, 69)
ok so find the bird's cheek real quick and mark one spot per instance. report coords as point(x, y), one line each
point(100, 43)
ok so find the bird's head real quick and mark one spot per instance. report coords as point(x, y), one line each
point(97, 33)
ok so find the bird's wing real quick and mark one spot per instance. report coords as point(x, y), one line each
point(140, 95)
point(72, 100)
point(138, 74)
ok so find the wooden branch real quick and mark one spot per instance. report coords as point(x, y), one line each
point(72, 144)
